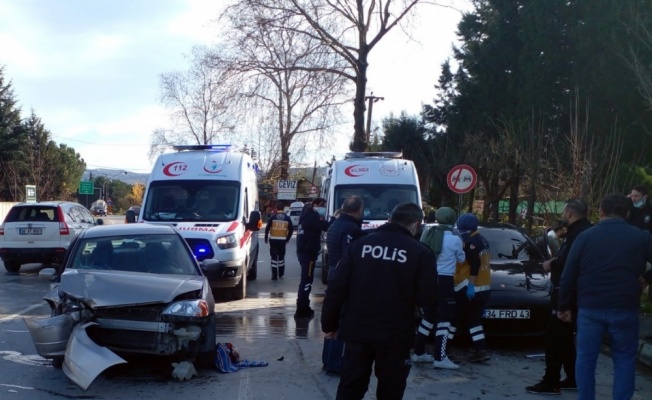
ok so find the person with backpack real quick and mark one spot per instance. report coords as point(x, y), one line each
point(449, 251)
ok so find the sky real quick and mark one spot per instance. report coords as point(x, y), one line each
point(90, 68)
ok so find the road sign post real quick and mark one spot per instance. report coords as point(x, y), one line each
point(461, 179)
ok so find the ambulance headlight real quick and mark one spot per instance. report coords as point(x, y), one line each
point(227, 242)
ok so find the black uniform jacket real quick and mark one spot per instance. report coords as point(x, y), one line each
point(641, 217)
point(311, 225)
point(373, 291)
point(340, 235)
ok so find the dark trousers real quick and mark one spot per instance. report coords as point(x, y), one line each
point(560, 350)
point(469, 314)
point(391, 364)
point(277, 254)
point(307, 263)
point(445, 314)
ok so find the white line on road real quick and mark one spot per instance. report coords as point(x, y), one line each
point(20, 313)
point(16, 386)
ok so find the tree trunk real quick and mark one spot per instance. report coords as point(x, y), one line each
point(359, 106)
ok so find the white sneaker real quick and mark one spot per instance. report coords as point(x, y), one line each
point(445, 363)
point(422, 358)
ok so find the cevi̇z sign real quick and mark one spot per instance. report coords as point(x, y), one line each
point(461, 179)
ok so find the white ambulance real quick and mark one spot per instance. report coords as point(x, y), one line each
point(209, 193)
point(381, 179)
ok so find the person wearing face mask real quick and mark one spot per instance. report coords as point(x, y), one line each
point(472, 281)
point(311, 224)
point(370, 300)
point(640, 214)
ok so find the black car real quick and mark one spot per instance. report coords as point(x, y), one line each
point(125, 289)
point(520, 289)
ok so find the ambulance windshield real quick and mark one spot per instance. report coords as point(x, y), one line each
point(379, 200)
point(192, 200)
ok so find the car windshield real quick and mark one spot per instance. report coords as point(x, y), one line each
point(379, 200)
point(509, 244)
point(192, 200)
point(161, 254)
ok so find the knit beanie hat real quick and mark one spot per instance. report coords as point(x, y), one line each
point(446, 216)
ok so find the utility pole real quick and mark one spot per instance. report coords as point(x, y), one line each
point(372, 99)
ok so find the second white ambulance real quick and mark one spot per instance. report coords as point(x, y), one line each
point(210, 195)
point(381, 179)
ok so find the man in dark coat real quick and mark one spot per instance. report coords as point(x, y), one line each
point(311, 225)
point(371, 297)
point(640, 213)
point(560, 336)
point(346, 228)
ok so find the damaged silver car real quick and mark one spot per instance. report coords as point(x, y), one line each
point(125, 289)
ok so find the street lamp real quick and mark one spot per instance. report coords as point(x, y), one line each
point(108, 178)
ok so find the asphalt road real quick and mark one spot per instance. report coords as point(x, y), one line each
point(262, 327)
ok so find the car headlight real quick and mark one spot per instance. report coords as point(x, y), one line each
point(227, 242)
point(187, 308)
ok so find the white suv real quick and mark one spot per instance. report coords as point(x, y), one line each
point(40, 232)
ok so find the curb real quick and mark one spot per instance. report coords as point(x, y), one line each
point(645, 352)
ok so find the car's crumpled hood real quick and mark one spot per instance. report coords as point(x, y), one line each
point(119, 288)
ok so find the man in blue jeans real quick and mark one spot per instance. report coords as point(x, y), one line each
point(606, 266)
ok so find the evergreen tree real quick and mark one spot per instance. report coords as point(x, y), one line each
point(12, 143)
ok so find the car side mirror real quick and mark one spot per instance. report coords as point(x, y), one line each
point(255, 221)
point(99, 221)
point(47, 273)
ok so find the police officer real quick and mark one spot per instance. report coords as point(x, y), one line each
point(346, 228)
point(371, 297)
point(311, 224)
point(277, 233)
point(640, 213)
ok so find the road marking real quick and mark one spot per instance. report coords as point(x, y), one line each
point(16, 386)
point(21, 312)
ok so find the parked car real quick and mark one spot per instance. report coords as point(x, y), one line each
point(520, 289)
point(99, 207)
point(40, 232)
point(125, 289)
point(132, 214)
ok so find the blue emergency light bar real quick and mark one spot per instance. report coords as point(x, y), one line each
point(216, 147)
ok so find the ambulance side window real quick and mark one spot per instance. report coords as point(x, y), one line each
point(246, 204)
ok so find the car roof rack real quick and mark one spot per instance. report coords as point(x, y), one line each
point(377, 154)
point(214, 147)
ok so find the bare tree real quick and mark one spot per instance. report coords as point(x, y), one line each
point(642, 69)
point(281, 85)
point(200, 100)
point(351, 29)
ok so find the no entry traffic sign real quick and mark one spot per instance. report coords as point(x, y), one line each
point(462, 178)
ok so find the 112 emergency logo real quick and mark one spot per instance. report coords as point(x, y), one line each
point(356, 170)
